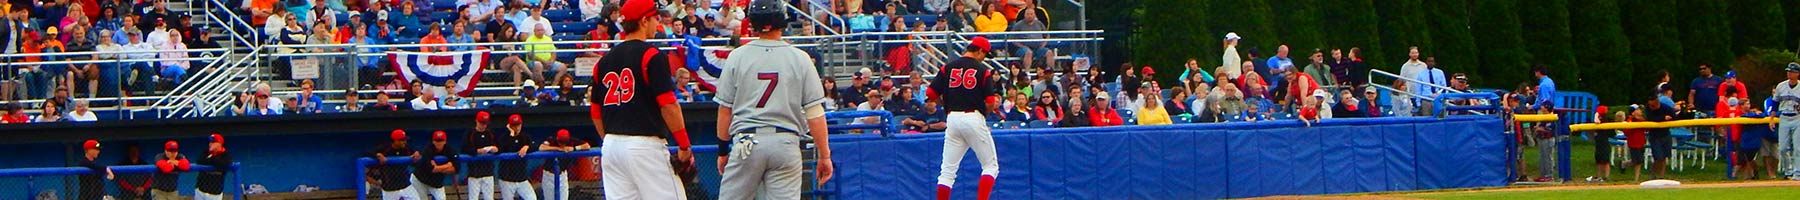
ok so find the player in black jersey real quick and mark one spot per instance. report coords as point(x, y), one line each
point(634, 82)
point(965, 88)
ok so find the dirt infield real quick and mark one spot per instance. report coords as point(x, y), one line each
point(1402, 195)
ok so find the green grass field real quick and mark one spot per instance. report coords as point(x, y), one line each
point(1582, 159)
point(1628, 194)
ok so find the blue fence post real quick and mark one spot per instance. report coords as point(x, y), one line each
point(362, 186)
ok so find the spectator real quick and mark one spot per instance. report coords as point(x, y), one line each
point(175, 64)
point(1703, 91)
point(369, 68)
point(566, 95)
point(599, 33)
point(902, 103)
point(350, 101)
point(1309, 112)
point(1103, 114)
point(245, 105)
point(1430, 75)
point(1047, 109)
point(1230, 102)
point(1659, 139)
point(990, 19)
point(875, 103)
point(1348, 105)
point(424, 101)
point(930, 119)
point(145, 70)
point(1277, 72)
point(408, 20)
point(1044, 83)
point(1193, 74)
point(831, 94)
point(1177, 104)
point(460, 35)
point(1300, 86)
point(543, 58)
point(450, 98)
point(309, 103)
point(1077, 116)
point(858, 85)
point(1199, 103)
point(382, 103)
point(1029, 51)
point(1019, 110)
point(1546, 88)
point(1358, 70)
point(483, 10)
point(336, 5)
point(1731, 88)
point(535, 23)
point(957, 18)
point(382, 31)
point(81, 112)
point(1231, 66)
point(528, 94)
point(260, 11)
point(433, 37)
point(1153, 112)
point(49, 114)
point(1321, 71)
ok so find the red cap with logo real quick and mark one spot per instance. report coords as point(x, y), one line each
point(90, 145)
point(482, 117)
point(397, 135)
point(980, 43)
point(638, 9)
point(171, 146)
point(438, 136)
point(515, 120)
point(216, 138)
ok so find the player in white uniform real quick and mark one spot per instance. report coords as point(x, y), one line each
point(760, 119)
point(1788, 94)
point(966, 89)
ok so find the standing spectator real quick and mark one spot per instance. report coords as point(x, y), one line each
point(1634, 143)
point(1433, 76)
point(1703, 91)
point(210, 185)
point(1659, 139)
point(1414, 65)
point(1546, 144)
point(1321, 71)
point(1358, 70)
point(1279, 66)
point(1546, 88)
point(1103, 114)
point(92, 187)
point(1301, 86)
point(133, 186)
point(514, 173)
point(1153, 112)
point(170, 163)
point(1731, 88)
point(481, 141)
point(395, 181)
point(429, 174)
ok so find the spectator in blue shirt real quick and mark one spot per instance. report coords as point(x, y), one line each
point(1546, 89)
point(1704, 90)
point(308, 103)
point(1278, 65)
point(407, 19)
point(460, 35)
point(1433, 75)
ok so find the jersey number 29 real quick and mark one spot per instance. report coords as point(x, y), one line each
point(618, 87)
point(963, 78)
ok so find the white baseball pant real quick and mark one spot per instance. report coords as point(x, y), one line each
point(423, 190)
point(402, 194)
point(967, 130)
point(1789, 129)
point(481, 188)
point(520, 190)
point(771, 170)
point(556, 185)
point(637, 167)
point(198, 195)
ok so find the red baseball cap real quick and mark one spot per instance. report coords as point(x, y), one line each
point(438, 136)
point(482, 117)
point(171, 146)
point(1148, 70)
point(398, 135)
point(980, 43)
point(638, 9)
point(515, 120)
point(90, 144)
point(562, 135)
point(216, 138)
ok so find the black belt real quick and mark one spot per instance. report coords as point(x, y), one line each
point(753, 130)
point(635, 134)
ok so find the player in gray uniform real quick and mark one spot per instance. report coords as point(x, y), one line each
point(760, 119)
point(1788, 94)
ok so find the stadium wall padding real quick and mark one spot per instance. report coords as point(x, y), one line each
point(1192, 161)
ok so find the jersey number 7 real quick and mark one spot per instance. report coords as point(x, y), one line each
point(774, 79)
point(963, 78)
point(618, 87)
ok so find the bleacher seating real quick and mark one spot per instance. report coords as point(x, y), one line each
point(562, 15)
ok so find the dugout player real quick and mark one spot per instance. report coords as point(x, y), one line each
point(395, 182)
point(757, 109)
point(92, 188)
point(170, 163)
point(966, 90)
point(556, 170)
point(210, 185)
point(480, 142)
point(634, 82)
point(428, 174)
point(514, 172)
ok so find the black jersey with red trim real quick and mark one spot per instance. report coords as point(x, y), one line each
point(964, 85)
point(632, 83)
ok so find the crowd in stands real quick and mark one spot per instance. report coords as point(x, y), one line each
point(113, 30)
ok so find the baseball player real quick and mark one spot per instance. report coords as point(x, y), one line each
point(395, 182)
point(966, 89)
point(755, 110)
point(170, 163)
point(92, 188)
point(480, 142)
point(428, 174)
point(1788, 94)
point(514, 172)
point(634, 82)
point(211, 184)
point(556, 171)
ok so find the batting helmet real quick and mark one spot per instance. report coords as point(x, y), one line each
point(767, 15)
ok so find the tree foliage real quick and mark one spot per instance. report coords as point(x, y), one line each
point(1498, 35)
point(1603, 57)
point(1549, 37)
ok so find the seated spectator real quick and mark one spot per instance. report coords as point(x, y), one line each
point(81, 112)
point(271, 105)
point(1309, 112)
point(534, 23)
point(902, 103)
point(246, 104)
point(432, 37)
point(876, 102)
point(407, 19)
point(1229, 104)
point(424, 101)
point(990, 19)
point(528, 94)
point(1153, 112)
point(566, 95)
point(1103, 114)
point(460, 35)
point(350, 103)
point(684, 92)
point(450, 98)
point(144, 70)
point(175, 64)
point(483, 10)
point(14, 114)
point(260, 12)
point(1076, 117)
point(599, 33)
point(1177, 103)
point(382, 31)
point(1369, 104)
point(930, 119)
point(309, 103)
point(542, 57)
point(49, 114)
point(1031, 51)
point(369, 68)
point(831, 95)
point(1047, 109)
point(382, 103)
point(1348, 105)
point(1019, 111)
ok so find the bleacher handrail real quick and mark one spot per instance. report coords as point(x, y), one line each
point(118, 54)
point(231, 28)
point(814, 20)
point(1410, 81)
point(202, 77)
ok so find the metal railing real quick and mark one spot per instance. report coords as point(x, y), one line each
point(232, 24)
point(1410, 82)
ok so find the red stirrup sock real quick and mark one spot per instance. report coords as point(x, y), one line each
point(987, 187)
point(943, 192)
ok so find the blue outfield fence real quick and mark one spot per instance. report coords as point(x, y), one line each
point(1192, 161)
point(52, 179)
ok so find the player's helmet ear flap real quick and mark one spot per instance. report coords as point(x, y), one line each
point(767, 15)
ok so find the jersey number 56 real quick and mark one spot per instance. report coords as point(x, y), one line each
point(963, 78)
point(618, 87)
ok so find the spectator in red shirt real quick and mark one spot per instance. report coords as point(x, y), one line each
point(599, 33)
point(1103, 114)
point(433, 37)
point(1046, 108)
point(1634, 141)
point(14, 114)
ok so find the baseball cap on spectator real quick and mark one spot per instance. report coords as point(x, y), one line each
point(1101, 95)
point(482, 117)
point(1319, 93)
point(1232, 36)
point(381, 16)
point(50, 30)
point(634, 10)
point(1148, 70)
point(1368, 89)
point(1793, 67)
point(1730, 74)
point(863, 73)
point(439, 136)
point(1460, 77)
point(515, 120)
point(216, 138)
point(397, 135)
point(171, 146)
point(90, 145)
